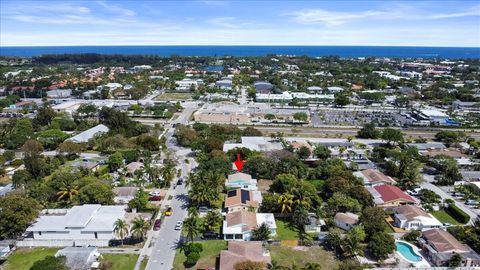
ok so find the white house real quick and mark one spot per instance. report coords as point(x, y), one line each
point(185, 84)
point(411, 217)
point(82, 225)
point(113, 86)
point(241, 180)
point(346, 221)
point(434, 116)
point(88, 134)
point(79, 258)
point(239, 225)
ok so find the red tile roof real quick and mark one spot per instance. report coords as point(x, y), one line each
point(391, 193)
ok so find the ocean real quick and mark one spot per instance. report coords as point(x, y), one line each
point(313, 51)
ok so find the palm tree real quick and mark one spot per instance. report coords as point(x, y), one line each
point(190, 226)
point(193, 211)
point(168, 174)
point(121, 229)
point(285, 201)
point(68, 192)
point(140, 228)
point(212, 221)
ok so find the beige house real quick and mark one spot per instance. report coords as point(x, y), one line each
point(243, 251)
point(346, 221)
point(372, 177)
point(243, 200)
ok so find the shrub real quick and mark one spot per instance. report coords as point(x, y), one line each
point(412, 235)
point(457, 213)
point(192, 259)
point(193, 248)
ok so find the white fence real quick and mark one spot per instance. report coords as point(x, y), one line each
point(61, 243)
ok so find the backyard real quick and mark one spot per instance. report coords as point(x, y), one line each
point(208, 257)
point(24, 258)
point(285, 256)
point(287, 232)
point(174, 96)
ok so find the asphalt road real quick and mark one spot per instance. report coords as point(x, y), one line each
point(444, 195)
point(165, 241)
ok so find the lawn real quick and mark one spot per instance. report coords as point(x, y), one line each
point(444, 217)
point(23, 258)
point(174, 96)
point(208, 257)
point(120, 261)
point(285, 256)
point(143, 265)
point(285, 231)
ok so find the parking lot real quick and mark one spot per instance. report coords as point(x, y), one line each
point(359, 118)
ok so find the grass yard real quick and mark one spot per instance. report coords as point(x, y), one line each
point(208, 257)
point(285, 256)
point(23, 258)
point(120, 261)
point(143, 265)
point(174, 96)
point(285, 231)
point(444, 217)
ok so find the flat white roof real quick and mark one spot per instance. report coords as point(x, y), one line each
point(433, 113)
point(89, 133)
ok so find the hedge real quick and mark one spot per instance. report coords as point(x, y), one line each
point(457, 214)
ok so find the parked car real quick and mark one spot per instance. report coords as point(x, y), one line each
point(154, 193)
point(446, 225)
point(203, 209)
point(210, 236)
point(180, 182)
point(169, 211)
point(157, 225)
point(471, 202)
point(178, 226)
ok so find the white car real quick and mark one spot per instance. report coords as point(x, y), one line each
point(154, 193)
point(178, 226)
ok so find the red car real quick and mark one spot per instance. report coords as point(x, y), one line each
point(157, 225)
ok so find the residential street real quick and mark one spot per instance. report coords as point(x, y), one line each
point(164, 242)
point(444, 195)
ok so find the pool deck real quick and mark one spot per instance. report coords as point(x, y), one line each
point(422, 263)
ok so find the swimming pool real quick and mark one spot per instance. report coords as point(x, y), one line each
point(407, 252)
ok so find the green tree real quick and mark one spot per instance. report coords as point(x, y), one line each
point(212, 221)
point(115, 161)
point(51, 138)
point(191, 228)
point(21, 178)
point(285, 202)
point(352, 244)
point(392, 135)
point(96, 193)
point(17, 213)
point(381, 245)
point(340, 202)
point(322, 152)
point(455, 261)
point(249, 265)
point(140, 228)
point(341, 99)
point(19, 134)
point(261, 233)
point(121, 229)
point(50, 263)
point(368, 131)
point(304, 152)
point(34, 163)
point(140, 201)
point(300, 116)
point(69, 148)
point(373, 220)
point(44, 116)
point(311, 266)
point(300, 220)
point(335, 240)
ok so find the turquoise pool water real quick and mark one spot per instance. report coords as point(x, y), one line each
point(238, 182)
point(407, 251)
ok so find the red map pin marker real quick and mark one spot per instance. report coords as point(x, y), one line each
point(239, 163)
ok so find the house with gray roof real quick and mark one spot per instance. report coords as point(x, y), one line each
point(88, 134)
point(81, 225)
point(79, 258)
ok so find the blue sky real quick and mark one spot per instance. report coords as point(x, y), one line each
point(223, 22)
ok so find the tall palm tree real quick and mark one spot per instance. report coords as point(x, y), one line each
point(285, 201)
point(168, 174)
point(193, 211)
point(190, 226)
point(121, 229)
point(140, 228)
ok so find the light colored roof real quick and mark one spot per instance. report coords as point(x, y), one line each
point(89, 134)
point(433, 113)
point(267, 218)
point(125, 191)
point(87, 217)
point(248, 220)
point(448, 153)
point(417, 215)
point(79, 257)
point(239, 176)
point(372, 176)
point(133, 166)
point(242, 251)
point(442, 241)
point(347, 218)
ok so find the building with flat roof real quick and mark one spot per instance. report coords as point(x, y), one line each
point(79, 258)
point(81, 225)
